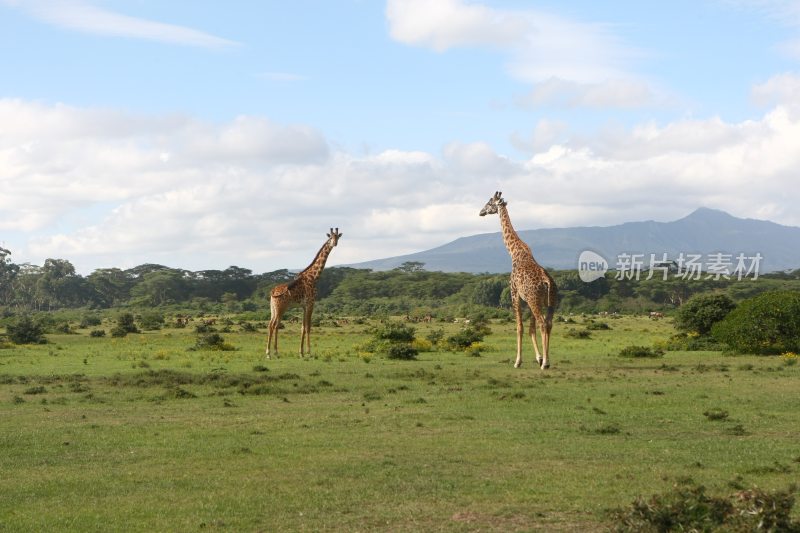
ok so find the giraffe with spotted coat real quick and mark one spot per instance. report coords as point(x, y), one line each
point(301, 292)
point(530, 282)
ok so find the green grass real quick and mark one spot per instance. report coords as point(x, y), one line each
point(143, 434)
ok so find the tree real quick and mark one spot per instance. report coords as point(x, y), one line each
point(767, 323)
point(702, 311)
point(8, 273)
point(159, 287)
point(488, 291)
point(58, 284)
point(109, 286)
point(26, 330)
point(409, 267)
point(25, 287)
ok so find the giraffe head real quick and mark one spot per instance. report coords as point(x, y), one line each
point(494, 203)
point(333, 237)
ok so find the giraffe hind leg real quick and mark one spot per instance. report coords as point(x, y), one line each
point(533, 338)
point(547, 327)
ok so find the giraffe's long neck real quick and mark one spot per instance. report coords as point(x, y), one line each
point(314, 270)
point(510, 237)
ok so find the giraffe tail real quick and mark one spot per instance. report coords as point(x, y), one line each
point(552, 301)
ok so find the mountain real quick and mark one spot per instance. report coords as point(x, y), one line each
point(705, 231)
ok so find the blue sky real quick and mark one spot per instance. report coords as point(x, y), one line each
point(205, 134)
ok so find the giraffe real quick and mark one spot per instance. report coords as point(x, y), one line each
point(529, 282)
point(300, 291)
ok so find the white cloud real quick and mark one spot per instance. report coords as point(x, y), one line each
point(545, 134)
point(548, 51)
point(477, 159)
point(779, 89)
point(85, 17)
point(94, 186)
point(443, 24)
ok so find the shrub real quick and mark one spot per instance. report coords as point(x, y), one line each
point(766, 324)
point(689, 508)
point(26, 330)
point(126, 323)
point(395, 332)
point(118, 331)
point(640, 351)
point(212, 341)
point(88, 321)
point(435, 336)
point(597, 326)
point(393, 339)
point(573, 333)
point(692, 342)
point(64, 327)
point(401, 350)
point(702, 311)
point(152, 320)
point(466, 337)
point(97, 333)
point(202, 327)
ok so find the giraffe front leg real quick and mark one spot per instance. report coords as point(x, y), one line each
point(518, 315)
point(273, 330)
point(302, 336)
point(307, 320)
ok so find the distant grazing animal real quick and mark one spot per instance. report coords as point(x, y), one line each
point(300, 291)
point(529, 282)
point(655, 315)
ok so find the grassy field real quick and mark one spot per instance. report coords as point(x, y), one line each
point(144, 434)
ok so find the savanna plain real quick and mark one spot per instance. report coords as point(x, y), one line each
point(149, 433)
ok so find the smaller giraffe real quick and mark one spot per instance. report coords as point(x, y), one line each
point(529, 282)
point(300, 291)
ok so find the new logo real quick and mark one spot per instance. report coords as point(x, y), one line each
point(591, 266)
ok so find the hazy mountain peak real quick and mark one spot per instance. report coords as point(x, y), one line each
point(708, 213)
point(704, 231)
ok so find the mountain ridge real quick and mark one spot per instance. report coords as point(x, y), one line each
point(704, 231)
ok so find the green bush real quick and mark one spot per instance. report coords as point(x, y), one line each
point(573, 333)
point(395, 332)
point(97, 333)
point(126, 323)
point(765, 324)
point(401, 350)
point(118, 332)
point(89, 320)
point(692, 342)
point(435, 336)
point(393, 339)
point(702, 311)
point(465, 338)
point(641, 351)
point(64, 327)
point(690, 508)
point(152, 320)
point(212, 341)
point(26, 330)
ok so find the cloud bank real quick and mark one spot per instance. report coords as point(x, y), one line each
point(106, 188)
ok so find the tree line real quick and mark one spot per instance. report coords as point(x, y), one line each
point(408, 290)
